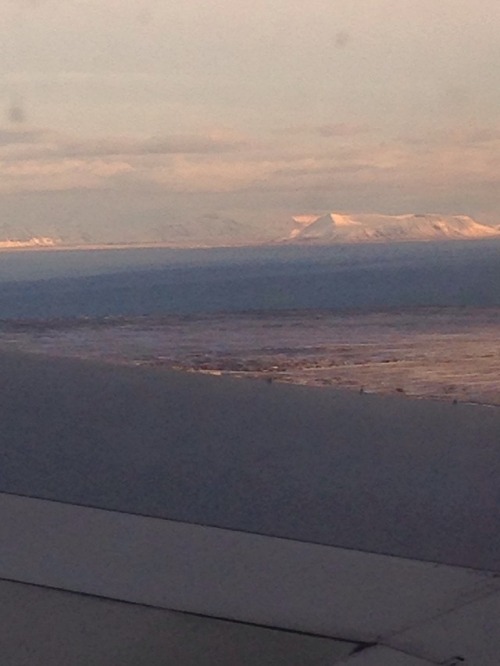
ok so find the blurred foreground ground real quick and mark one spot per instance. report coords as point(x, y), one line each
point(443, 353)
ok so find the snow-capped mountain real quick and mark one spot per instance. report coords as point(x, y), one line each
point(35, 241)
point(205, 230)
point(215, 230)
point(354, 228)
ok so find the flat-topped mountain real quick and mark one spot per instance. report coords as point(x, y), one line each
point(357, 228)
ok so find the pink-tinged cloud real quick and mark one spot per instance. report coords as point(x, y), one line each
point(363, 173)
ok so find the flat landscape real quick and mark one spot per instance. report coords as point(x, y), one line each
point(441, 353)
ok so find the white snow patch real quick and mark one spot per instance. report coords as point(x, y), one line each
point(36, 241)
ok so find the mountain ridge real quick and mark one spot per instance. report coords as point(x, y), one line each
point(215, 230)
point(372, 227)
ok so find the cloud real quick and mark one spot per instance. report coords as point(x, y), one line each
point(33, 159)
point(152, 146)
point(39, 176)
point(44, 144)
point(329, 130)
point(456, 135)
point(10, 137)
point(444, 172)
point(340, 129)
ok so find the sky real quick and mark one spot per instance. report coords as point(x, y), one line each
point(125, 117)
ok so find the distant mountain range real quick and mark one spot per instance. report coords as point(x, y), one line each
point(349, 228)
point(213, 230)
point(206, 230)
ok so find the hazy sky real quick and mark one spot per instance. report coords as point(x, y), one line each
point(120, 115)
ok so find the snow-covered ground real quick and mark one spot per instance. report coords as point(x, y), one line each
point(442, 353)
point(349, 228)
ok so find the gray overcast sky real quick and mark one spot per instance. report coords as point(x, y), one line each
point(151, 109)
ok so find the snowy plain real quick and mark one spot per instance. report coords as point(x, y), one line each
point(444, 353)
